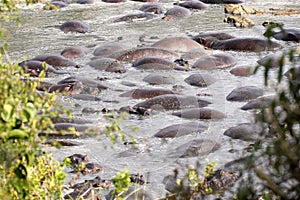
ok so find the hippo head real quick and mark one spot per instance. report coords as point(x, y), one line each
point(209, 42)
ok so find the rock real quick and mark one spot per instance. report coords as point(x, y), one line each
point(239, 22)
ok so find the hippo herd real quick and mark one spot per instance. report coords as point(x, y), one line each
point(166, 67)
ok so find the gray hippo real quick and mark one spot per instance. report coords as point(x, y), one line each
point(109, 48)
point(136, 53)
point(152, 8)
point(217, 35)
point(273, 60)
point(74, 26)
point(177, 12)
point(173, 102)
point(240, 44)
point(244, 93)
point(146, 93)
point(159, 79)
point(196, 148)
point(178, 43)
point(259, 103)
point(222, 1)
point(242, 71)
point(34, 68)
point(114, 1)
point(55, 60)
point(245, 131)
point(288, 34)
point(193, 4)
point(107, 64)
point(178, 130)
point(74, 52)
point(131, 17)
point(200, 113)
point(153, 62)
point(215, 61)
point(200, 80)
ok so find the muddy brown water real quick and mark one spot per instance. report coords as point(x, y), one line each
point(40, 34)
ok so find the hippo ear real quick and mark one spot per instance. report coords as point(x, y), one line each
point(202, 40)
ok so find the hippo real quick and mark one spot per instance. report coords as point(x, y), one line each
point(136, 53)
point(114, 1)
point(244, 131)
point(132, 193)
point(193, 4)
point(173, 102)
point(146, 93)
point(109, 48)
point(153, 62)
point(200, 113)
point(196, 148)
point(289, 34)
point(146, 0)
point(177, 12)
point(75, 120)
point(34, 68)
point(177, 44)
point(85, 97)
point(69, 88)
point(200, 80)
point(55, 60)
point(76, 127)
point(91, 168)
point(222, 1)
point(218, 35)
point(273, 60)
point(77, 159)
point(242, 71)
point(131, 17)
point(55, 5)
point(194, 54)
point(74, 26)
point(74, 52)
point(68, 143)
point(152, 8)
point(107, 64)
point(244, 93)
point(87, 184)
point(85, 81)
point(178, 130)
point(240, 44)
point(259, 103)
point(85, 1)
point(159, 79)
point(215, 61)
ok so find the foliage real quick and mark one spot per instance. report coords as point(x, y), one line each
point(273, 168)
point(122, 183)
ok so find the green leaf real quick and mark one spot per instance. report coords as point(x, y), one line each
point(17, 134)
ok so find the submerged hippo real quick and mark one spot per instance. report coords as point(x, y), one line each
point(259, 103)
point(34, 68)
point(173, 102)
point(136, 53)
point(193, 4)
point(273, 60)
point(222, 1)
point(244, 93)
point(114, 1)
point(178, 130)
point(200, 80)
point(240, 44)
point(109, 48)
point(245, 131)
point(200, 113)
point(177, 12)
point(107, 64)
point(159, 79)
point(55, 60)
point(287, 35)
point(217, 35)
point(152, 8)
point(74, 52)
point(74, 26)
point(242, 71)
point(194, 54)
point(153, 62)
point(178, 43)
point(146, 93)
point(195, 148)
point(215, 61)
point(131, 17)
